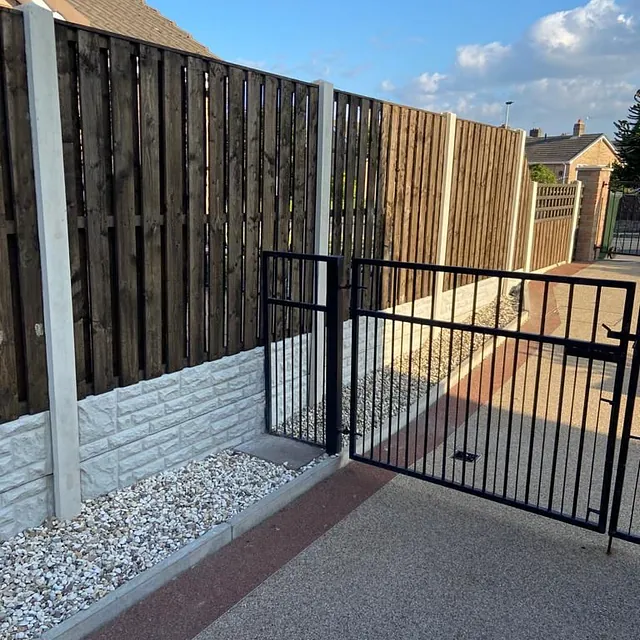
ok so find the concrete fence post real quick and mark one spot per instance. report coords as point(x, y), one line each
point(531, 229)
point(445, 208)
point(51, 204)
point(574, 222)
point(513, 236)
point(316, 346)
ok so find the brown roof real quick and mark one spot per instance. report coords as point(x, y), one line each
point(133, 18)
point(559, 149)
point(137, 19)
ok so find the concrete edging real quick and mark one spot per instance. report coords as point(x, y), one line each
point(116, 602)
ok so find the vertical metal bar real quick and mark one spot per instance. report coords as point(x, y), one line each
point(392, 364)
point(514, 373)
point(469, 376)
point(301, 334)
point(411, 325)
point(448, 385)
point(490, 409)
point(375, 298)
point(625, 330)
point(355, 337)
point(563, 375)
point(632, 391)
point(583, 426)
point(504, 364)
point(334, 356)
point(266, 342)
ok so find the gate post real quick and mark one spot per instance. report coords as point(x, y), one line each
point(445, 207)
point(51, 206)
point(333, 399)
point(321, 241)
point(513, 234)
point(574, 221)
point(531, 234)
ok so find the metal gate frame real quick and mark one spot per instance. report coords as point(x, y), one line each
point(593, 351)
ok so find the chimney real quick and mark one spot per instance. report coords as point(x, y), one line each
point(579, 128)
point(535, 133)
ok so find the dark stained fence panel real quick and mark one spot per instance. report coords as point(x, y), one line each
point(179, 171)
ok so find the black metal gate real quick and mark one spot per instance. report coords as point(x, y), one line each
point(503, 385)
point(622, 227)
point(302, 333)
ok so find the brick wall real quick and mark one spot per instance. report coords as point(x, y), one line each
point(595, 193)
point(599, 155)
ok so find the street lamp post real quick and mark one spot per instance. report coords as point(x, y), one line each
point(506, 118)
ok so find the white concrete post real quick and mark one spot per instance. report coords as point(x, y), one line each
point(321, 247)
point(51, 203)
point(574, 223)
point(531, 230)
point(513, 237)
point(445, 208)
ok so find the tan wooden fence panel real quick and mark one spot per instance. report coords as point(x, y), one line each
point(179, 170)
point(484, 172)
point(23, 372)
point(553, 224)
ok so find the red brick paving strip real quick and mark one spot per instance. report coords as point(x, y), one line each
point(190, 603)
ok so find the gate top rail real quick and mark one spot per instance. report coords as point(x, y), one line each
point(300, 256)
point(625, 285)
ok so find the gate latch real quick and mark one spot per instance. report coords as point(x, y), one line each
point(620, 335)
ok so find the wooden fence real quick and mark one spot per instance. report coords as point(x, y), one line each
point(23, 372)
point(179, 170)
point(484, 183)
point(553, 224)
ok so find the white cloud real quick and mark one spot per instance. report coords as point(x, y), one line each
point(429, 82)
point(481, 56)
point(583, 62)
point(387, 85)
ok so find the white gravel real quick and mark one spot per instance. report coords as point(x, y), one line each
point(387, 391)
point(55, 570)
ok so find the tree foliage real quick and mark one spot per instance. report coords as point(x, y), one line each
point(626, 173)
point(542, 174)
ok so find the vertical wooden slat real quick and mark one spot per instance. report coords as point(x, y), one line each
point(433, 164)
point(373, 196)
point(124, 115)
point(174, 184)
point(360, 213)
point(339, 167)
point(252, 252)
point(9, 398)
point(406, 277)
point(24, 208)
point(196, 208)
point(312, 168)
point(419, 213)
point(298, 196)
point(487, 206)
point(391, 119)
point(94, 106)
point(70, 124)
point(217, 212)
point(150, 209)
point(235, 214)
point(284, 165)
point(269, 161)
point(401, 192)
point(350, 181)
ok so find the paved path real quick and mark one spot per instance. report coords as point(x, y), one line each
point(367, 554)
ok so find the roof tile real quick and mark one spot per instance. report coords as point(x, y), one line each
point(558, 148)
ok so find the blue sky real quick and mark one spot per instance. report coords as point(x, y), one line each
point(558, 60)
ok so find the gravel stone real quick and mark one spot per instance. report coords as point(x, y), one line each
point(55, 570)
point(384, 393)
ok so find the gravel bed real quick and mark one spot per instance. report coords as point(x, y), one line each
point(384, 393)
point(55, 570)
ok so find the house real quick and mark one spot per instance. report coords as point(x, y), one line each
point(132, 18)
point(566, 153)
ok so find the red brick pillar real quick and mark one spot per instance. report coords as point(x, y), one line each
point(595, 193)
